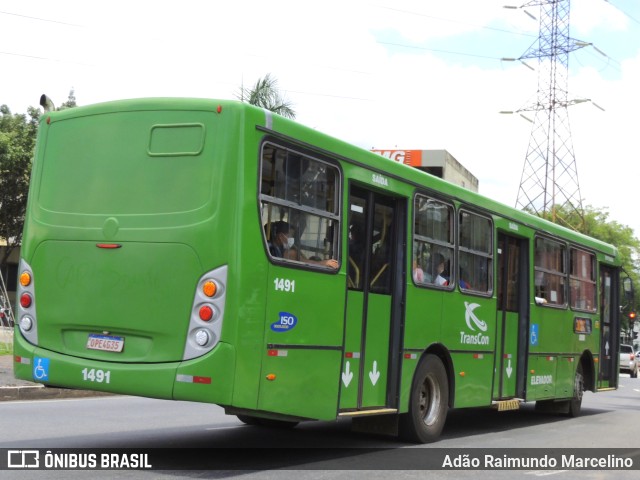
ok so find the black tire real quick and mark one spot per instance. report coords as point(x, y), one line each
point(575, 404)
point(248, 419)
point(634, 373)
point(429, 403)
point(266, 422)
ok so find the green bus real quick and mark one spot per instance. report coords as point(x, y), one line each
point(211, 251)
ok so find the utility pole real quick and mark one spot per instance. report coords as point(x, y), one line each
point(549, 182)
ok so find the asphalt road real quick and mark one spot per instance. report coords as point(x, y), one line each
point(609, 420)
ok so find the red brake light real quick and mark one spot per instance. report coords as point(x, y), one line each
point(206, 313)
point(25, 300)
point(108, 245)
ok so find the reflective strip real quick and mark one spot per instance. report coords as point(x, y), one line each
point(193, 379)
point(478, 355)
point(410, 356)
point(277, 353)
point(23, 360)
point(352, 354)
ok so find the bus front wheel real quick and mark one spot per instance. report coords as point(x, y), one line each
point(428, 404)
point(575, 404)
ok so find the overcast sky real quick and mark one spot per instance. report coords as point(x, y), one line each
point(376, 73)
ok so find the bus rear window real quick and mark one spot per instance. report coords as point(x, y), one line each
point(124, 163)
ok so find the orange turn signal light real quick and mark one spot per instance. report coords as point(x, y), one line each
point(271, 377)
point(25, 279)
point(210, 288)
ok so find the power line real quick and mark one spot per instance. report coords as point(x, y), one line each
point(34, 57)
point(41, 19)
point(437, 50)
point(622, 11)
point(486, 27)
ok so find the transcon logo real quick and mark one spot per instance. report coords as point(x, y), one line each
point(474, 322)
point(470, 317)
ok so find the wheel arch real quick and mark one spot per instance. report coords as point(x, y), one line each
point(588, 370)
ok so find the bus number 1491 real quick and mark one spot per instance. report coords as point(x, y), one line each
point(93, 375)
point(285, 285)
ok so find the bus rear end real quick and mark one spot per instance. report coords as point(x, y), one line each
point(123, 275)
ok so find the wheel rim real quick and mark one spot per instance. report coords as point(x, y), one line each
point(579, 386)
point(429, 401)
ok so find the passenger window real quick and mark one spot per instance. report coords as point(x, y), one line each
point(550, 272)
point(475, 253)
point(582, 280)
point(299, 207)
point(432, 242)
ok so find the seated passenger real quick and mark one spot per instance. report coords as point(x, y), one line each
point(282, 245)
point(435, 274)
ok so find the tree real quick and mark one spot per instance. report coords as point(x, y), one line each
point(265, 94)
point(17, 142)
point(71, 101)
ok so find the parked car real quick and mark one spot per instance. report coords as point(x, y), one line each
point(628, 361)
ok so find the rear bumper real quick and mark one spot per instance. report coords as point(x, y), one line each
point(205, 379)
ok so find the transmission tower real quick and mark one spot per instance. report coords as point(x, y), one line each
point(549, 183)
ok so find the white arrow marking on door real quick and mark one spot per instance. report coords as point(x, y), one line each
point(375, 374)
point(509, 369)
point(606, 348)
point(347, 375)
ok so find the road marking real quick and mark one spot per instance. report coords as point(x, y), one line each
point(544, 473)
point(226, 428)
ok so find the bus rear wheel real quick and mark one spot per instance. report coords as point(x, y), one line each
point(266, 422)
point(429, 403)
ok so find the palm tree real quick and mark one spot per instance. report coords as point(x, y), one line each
point(265, 94)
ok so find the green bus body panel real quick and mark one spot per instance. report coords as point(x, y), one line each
point(91, 290)
point(305, 383)
point(149, 380)
point(469, 330)
point(310, 351)
point(473, 379)
point(376, 355)
point(350, 375)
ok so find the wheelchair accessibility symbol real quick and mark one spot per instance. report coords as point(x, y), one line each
point(534, 334)
point(41, 369)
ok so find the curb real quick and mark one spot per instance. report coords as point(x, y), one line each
point(41, 392)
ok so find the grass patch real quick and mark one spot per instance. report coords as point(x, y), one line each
point(6, 349)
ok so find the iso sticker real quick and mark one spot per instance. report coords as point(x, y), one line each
point(286, 322)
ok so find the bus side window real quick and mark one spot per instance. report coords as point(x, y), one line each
point(299, 208)
point(432, 242)
point(550, 272)
point(583, 280)
point(475, 253)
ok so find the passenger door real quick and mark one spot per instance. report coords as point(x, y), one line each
point(608, 371)
point(371, 364)
point(513, 317)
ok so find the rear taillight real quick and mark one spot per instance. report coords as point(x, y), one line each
point(207, 313)
point(631, 356)
point(27, 319)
